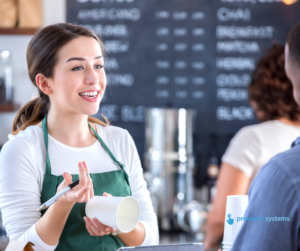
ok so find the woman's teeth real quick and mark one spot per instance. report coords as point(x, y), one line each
point(88, 94)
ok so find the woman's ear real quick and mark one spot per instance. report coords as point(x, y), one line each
point(43, 83)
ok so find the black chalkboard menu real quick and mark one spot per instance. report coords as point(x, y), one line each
point(184, 54)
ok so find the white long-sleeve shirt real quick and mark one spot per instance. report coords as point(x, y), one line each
point(22, 169)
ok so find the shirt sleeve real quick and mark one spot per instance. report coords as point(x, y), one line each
point(139, 191)
point(20, 193)
point(244, 151)
point(272, 196)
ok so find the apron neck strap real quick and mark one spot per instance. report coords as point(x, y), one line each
point(107, 149)
point(112, 156)
point(45, 131)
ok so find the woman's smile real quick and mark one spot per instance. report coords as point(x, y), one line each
point(90, 95)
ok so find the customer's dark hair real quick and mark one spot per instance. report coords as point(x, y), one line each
point(293, 41)
point(271, 90)
point(41, 58)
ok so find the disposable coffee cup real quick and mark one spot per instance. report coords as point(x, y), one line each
point(226, 247)
point(118, 212)
point(236, 206)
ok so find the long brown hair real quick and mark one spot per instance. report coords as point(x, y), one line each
point(41, 58)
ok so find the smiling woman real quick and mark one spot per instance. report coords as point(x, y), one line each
point(46, 53)
point(50, 137)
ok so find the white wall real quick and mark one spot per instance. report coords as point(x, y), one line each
point(54, 12)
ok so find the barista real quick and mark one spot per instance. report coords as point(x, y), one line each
point(54, 133)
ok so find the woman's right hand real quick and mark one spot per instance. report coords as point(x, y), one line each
point(83, 191)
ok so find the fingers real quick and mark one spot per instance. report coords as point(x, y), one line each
point(96, 228)
point(91, 188)
point(67, 181)
point(68, 178)
point(89, 180)
point(88, 225)
point(82, 175)
point(90, 230)
point(107, 194)
point(84, 190)
point(80, 195)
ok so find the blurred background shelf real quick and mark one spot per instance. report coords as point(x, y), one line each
point(18, 31)
point(7, 107)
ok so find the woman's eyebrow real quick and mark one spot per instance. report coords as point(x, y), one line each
point(81, 59)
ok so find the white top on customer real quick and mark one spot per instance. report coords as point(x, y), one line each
point(253, 146)
point(22, 168)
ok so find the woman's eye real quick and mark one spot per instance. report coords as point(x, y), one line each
point(77, 68)
point(99, 66)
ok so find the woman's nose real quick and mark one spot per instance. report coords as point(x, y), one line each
point(91, 76)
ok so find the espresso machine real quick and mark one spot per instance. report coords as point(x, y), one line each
point(169, 162)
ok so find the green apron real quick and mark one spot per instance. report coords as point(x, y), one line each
point(75, 236)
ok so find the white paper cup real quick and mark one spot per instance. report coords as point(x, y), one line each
point(236, 206)
point(226, 247)
point(118, 212)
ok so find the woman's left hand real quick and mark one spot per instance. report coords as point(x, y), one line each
point(96, 228)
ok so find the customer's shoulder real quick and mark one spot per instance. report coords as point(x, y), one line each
point(290, 157)
point(278, 181)
point(285, 164)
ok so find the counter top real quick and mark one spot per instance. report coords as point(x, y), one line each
point(180, 237)
point(164, 238)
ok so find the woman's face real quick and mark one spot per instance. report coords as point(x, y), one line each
point(79, 79)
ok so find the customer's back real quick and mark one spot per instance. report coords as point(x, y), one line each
point(275, 192)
